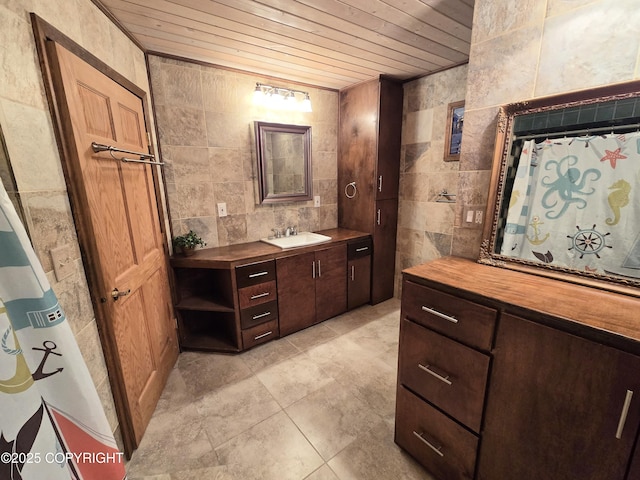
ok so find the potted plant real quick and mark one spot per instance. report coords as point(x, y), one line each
point(188, 242)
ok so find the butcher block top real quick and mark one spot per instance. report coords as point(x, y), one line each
point(604, 316)
point(232, 255)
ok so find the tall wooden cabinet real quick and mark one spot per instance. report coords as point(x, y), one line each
point(369, 170)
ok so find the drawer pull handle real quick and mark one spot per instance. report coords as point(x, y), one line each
point(623, 414)
point(439, 314)
point(429, 444)
point(265, 314)
point(259, 274)
point(362, 249)
point(353, 273)
point(442, 378)
point(260, 295)
point(263, 335)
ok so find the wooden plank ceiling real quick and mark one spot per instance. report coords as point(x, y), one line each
point(324, 43)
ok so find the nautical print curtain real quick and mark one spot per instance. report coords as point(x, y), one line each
point(52, 425)
point(576, 203)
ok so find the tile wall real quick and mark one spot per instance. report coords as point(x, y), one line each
point(529, 49)
point(206, 120)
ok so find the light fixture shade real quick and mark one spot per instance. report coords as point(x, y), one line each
point(306, 104)
point(258, 95)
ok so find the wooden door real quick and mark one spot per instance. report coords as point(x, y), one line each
point(358, 281)
point(357, 143)
point(117, 213)
point(331, 282)
point(555, 405)
point(384, 250)
point(296, 292)
point(389, 137)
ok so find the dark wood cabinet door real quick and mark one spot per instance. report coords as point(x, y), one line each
point(331, 282)
point(556, 407)
point(384, 250)
point(296, 292)
point(357, 144)
point(358, 282)
point(389, 136)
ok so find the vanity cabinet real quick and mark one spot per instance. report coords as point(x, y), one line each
point(358, 273)
point(258, 300)
point(312, 287)
point(369, 136)
point(507, 375)
point(556, 408)
point(443, 366)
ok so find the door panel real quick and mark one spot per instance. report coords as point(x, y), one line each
point(331, 282)
point(119, 229)
point(296, 292)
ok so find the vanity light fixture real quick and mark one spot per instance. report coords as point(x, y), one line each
point(281, 98)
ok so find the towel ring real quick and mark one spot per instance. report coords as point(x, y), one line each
point(346, 190)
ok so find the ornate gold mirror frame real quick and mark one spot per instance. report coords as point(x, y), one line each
point(545, 118)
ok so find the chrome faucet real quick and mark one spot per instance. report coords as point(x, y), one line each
point(290, 231)
point(276, 232)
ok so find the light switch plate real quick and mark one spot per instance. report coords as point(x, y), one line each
point(222, 209)
point(63, 263)
point(473, 216)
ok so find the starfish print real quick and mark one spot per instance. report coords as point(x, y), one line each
point(613, 156)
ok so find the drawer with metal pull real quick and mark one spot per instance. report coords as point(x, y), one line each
point(446, 449)
point(252, 316)
point(257, 294)
point(260, 334)
point(359, 249)
point(466, 321)
point(448, 374)
point(254, 273)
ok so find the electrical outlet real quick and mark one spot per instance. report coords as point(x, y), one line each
point(472, 216)
point(316, 201)
point(222, 209)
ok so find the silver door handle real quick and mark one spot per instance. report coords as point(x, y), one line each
point(116, 294)
point(319, 270)
point(313, 271)
point(442, 378)
point(353, 272)
point(362, 249)
point(378, 219)
point(259, 274)
point(265, 314)
point(439, 314)
point(260, 295)
point(623, 414)
point(263, 335)
point(429, 444)
point(380, 183)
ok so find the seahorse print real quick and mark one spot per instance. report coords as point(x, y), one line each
point(617, 199)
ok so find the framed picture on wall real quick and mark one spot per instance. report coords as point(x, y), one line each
point(453, 137)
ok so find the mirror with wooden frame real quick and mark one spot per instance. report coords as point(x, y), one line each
point(564, 198)
point(284, 162)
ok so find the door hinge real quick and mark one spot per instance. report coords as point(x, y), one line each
point(148, 139)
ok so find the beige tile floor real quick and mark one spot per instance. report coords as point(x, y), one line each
point(316, 405)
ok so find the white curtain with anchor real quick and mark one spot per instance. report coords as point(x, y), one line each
point(576, 203)
point(52, 424)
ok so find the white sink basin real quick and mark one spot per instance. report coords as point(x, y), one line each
point(302, 239)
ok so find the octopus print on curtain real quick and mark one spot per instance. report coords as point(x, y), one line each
point(576, 203)
point(52, 425)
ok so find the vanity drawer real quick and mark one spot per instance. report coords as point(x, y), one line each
point(463, 320)
point(444, 448)
point(257, 294)
point(259, 314)
point(260, 334)
point(446, 373)
point(359, 249)
point(254, 273)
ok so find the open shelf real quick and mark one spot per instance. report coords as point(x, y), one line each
point(208, 330)
point(196, 302)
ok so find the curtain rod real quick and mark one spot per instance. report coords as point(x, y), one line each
point(574, 132)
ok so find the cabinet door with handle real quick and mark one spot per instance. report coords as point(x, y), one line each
point(331, 282)
point(296, 292)
point(559, 406)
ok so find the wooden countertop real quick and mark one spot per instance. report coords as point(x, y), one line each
point(609, 314)
point(231, 255)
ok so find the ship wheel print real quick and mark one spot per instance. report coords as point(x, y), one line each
point(588, 241)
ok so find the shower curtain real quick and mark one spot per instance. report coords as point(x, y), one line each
point(52, 425)
point(575, 203)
